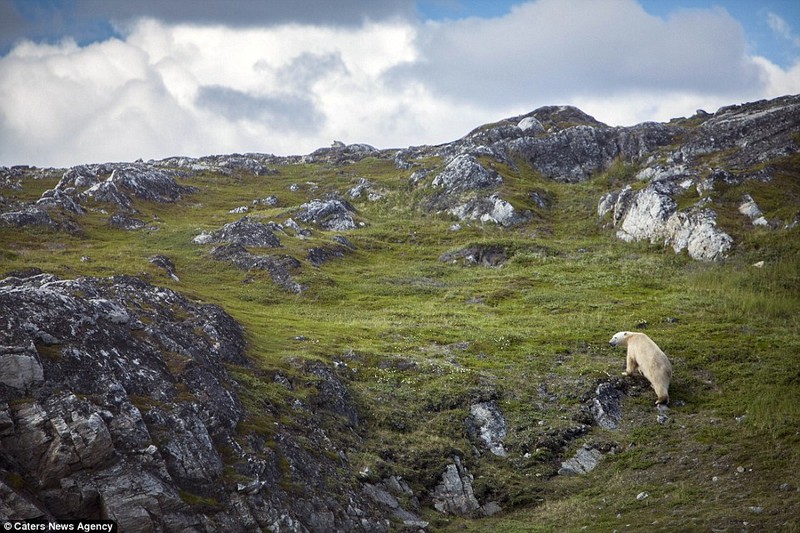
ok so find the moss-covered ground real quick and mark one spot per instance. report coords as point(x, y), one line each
point(418, 340)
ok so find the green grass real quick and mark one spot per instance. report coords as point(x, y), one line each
point(423, 340)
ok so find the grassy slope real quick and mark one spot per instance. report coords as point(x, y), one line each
point(421, 340)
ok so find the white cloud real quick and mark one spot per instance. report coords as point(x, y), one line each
point(188, 89)
point(551, 48)
point(781, 28)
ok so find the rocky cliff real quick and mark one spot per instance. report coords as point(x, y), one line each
point(117, 403)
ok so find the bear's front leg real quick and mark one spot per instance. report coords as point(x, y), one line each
point(630, 366)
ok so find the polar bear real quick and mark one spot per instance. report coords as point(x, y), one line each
point(647, 357)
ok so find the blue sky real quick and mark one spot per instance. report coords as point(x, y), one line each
point(117, 80)
point(753, 15)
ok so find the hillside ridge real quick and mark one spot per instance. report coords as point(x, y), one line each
point(415, 339)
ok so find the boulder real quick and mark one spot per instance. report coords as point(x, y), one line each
point(20, 367)
point(531, 126)
point(465, 173)
point(492, 209)
point(29, 216)
point(651, 214)
point(127, 182)
point(584, 461)
point(480, 254)
point(333, 214)
point(606, 405)
point(56, 198)
point(696, 232)
point(280, 268)
point(487, 424)
point(454, 494)
point(646, 217)
point(246, 231)
point(121, 221)
point(166, 264)
point(750, 209)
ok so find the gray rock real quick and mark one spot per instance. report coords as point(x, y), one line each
point(647, 216)
point(108, 192)
point(29, 216)
point(246, 231)
point(280, 268)
point(577, 152)
point(459, 190)
point(137, 406)
point(322, 254)
point(651, 214)
point(332, 214)
point(298, 230)
point(269, 201)
point(129, 181)
point(341, 154)
point(584, 461)
point(697, 233)
point(383, 496)
point(454, 494)
point(83, 177)
point(57, 198)
point(203, 238)
point(20, 367)
point(464, 173)
point(531, 126)
point(489, 426)
point(165, 263)
point(121, 221)
point(254, 164)
point(606, 406)
point(488, 209)
point(366, 187)
point(742, 138)
point(750, 209)
point(480, 255)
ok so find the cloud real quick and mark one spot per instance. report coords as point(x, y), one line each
point(193, 90)
point(250, 13)
point(87, 21)
point(188, 88)
point(285, 112)
point(550, 49)
point(781, 28)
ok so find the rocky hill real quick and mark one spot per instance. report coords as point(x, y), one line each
point(378, 340)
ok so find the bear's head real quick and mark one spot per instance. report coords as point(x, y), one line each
point(620, 338)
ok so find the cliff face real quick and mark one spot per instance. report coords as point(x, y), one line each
point(117, 404)
point(377, 372)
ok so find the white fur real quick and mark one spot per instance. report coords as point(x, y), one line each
point(645, 356)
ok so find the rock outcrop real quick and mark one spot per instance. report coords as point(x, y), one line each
point(468, 191)
point(487, 424)
point(126, 181)
point(334, 214)
point(117, 403)
point(254, 164)
point(584, 461)
point(342, 154)
point(280, 268)
point(246, 231)
point(564, 144)
point(741, 138)
point(455, 495)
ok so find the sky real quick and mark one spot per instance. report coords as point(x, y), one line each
point(93, 81)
